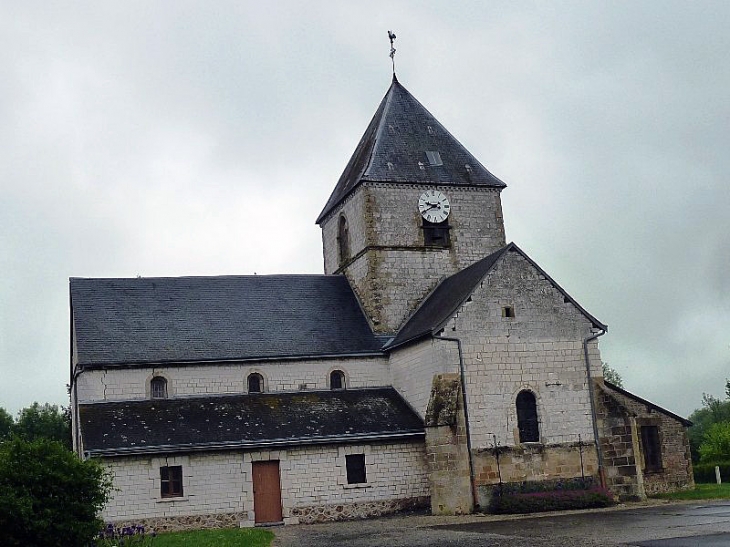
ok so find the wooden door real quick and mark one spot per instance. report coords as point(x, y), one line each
point(266, 492)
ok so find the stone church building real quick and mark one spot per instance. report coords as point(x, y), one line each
point(429, 364)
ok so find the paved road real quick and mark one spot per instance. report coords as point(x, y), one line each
point(667, 525)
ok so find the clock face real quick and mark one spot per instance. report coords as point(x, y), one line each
point(434, 206)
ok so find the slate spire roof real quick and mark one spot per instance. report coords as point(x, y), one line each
point(393, 149)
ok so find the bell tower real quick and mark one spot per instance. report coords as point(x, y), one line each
point(411, 207)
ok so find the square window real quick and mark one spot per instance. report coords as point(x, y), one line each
point(356, 469)
point(436, 234)
point(171, 485)
point(508, 311)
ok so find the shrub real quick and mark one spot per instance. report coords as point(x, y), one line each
point(48, 496)
point(551, 500)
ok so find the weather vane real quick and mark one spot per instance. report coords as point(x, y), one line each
point(392, 49)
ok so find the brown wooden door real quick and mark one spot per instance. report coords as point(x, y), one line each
point(266, 492)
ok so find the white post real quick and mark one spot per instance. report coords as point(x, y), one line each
point(717, 474)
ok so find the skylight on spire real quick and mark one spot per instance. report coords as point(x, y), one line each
point(434, 158)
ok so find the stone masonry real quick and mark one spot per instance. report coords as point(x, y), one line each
point(217, 487)
point(620, 418)
point(390, 269)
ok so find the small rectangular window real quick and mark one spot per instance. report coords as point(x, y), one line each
point(652, 448)
point(171, 485)
point(508, 311)
point(356, 469)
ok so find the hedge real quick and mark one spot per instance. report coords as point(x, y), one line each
point(705, 472)
point(553, 500)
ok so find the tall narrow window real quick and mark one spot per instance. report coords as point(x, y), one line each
point(356, 469)
point(343, 240)
point(652, 448)
point(255, 383)
point(436, 234)
point(527, 417)
point(337, 379)
point(158, 388)
point(171, 485)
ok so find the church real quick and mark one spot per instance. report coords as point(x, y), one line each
point(431, 364)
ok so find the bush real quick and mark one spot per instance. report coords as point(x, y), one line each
point(48, 496)
point(705, 472)
point(556, 500)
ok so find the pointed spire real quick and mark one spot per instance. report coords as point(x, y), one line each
point(394, 149)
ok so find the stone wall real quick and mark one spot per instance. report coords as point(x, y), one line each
point(201, 380)
point(413, 368)
point(394, 271)
point(446, 448)
point(540, 349)
point(620, 418)
point(218, 490)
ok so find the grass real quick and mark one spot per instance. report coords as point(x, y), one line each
point(232, 537)
point(700, 492)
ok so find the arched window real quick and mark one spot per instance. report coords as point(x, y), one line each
point(255, 383)
point(527, 417)
point(343, 240)
point(337, 379)
point(158, 388)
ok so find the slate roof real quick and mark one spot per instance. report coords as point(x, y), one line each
point(179, 319)
point(243, 421)
point(439, 306)
point(400, 133)
point(608, 388)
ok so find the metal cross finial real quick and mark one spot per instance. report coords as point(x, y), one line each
point(392, 49)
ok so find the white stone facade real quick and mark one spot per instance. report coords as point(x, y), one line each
point(210, 379)
point(311, 477)
point(540, 350)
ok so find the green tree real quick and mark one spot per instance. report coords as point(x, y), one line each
point(715, 447)
point(713, 411)
point(6, 424)
point(612, 375)
point(44, 422)
point(48, 496)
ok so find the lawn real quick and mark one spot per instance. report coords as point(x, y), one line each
point(701, 492)
point(231, 537)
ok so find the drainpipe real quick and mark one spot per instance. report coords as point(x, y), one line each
point(594, 419)
point(462, 375)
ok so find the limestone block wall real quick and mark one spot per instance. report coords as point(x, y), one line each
point(353, 208)
point(413, 368)
point(213, 483)
point(189, 380)
point(540, 349)
point(395, 270)
point(218, 491)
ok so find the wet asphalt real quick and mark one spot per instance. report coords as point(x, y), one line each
point(704, 524)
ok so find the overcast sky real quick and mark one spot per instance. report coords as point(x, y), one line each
point(203, 138)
